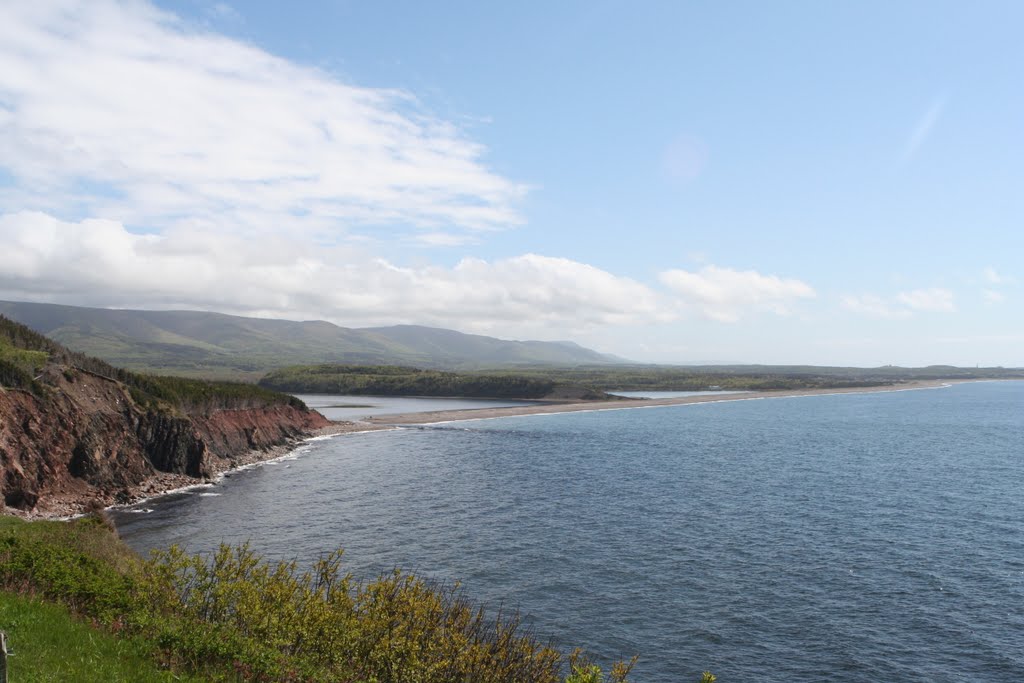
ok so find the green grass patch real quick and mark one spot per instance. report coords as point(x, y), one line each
point(50, 645)
point(24, 358)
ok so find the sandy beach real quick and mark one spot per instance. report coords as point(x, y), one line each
point(626, 404)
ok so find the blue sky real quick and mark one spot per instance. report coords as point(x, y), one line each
point(789, 182)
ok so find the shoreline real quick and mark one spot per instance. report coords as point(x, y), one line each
point(162, 484)
point(441, 416)
point(165, 483)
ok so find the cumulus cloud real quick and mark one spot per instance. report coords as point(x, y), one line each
point(903, 304)
point(99, 262)
point(122, 110)
point(934, 300)
point(994, 286)
point(724, 294)
point(873, 306)
point(994, 277)
point(146, 162)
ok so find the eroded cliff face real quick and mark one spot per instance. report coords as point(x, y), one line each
point(85, 438)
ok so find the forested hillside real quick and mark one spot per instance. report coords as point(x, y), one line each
point(214, 345)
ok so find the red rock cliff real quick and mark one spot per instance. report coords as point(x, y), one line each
point(84, 437)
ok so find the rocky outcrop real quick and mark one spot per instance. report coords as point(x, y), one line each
point(229, 432)
point(171, 444)
point(83, 438)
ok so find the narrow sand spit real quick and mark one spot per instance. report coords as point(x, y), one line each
point(552, 408)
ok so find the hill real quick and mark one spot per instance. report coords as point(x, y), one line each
point(197, 343)
point(74, 429)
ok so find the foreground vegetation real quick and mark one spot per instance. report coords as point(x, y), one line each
point(235, 617)
point(391, 380)
point(52, 645)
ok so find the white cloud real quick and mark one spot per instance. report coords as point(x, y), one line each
point(873, 306)
point(934, 300)
point(724, 294)
point(903, 305)
point(992, 296)
point(121, 110)
point(443, 239)
point(98, 262)
point(994, 277)
point(154, 164)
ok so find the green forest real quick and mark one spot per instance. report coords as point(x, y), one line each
point(592, 382)
point(391, 380)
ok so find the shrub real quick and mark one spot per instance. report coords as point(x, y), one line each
point(235, 616)
point(69, 565)
point(271, 621)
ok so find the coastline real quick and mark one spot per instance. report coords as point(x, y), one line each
point(165, 483)
point(440, 416)
point(168, 483)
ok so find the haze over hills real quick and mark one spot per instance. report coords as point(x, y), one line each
point(219, 345)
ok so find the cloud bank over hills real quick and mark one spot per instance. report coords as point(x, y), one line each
point(208, 173)
point(148, 159)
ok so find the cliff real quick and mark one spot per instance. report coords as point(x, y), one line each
point(69, 435)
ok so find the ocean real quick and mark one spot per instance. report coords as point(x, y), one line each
point(853, 537)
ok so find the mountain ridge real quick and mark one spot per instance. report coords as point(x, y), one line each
point(210, 344)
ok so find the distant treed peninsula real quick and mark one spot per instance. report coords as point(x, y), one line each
point(592, 384)
point(754, 377)
point(387, 380)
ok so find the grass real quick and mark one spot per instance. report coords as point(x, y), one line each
point(51, 645)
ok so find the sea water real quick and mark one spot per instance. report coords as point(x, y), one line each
point(855, 537)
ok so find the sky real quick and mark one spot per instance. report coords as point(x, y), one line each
point(676, 182)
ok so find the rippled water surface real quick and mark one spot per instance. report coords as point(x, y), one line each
point(858, 537)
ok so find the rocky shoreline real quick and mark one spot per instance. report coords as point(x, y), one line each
point(72, 503)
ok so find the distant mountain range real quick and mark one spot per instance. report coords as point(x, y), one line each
point(199, 343)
